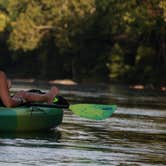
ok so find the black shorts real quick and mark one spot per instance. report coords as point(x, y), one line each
point(1, 103)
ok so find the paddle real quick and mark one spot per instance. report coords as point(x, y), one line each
point(89, 111)
point(93, 111)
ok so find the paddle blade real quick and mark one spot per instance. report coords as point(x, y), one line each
point(93, 111)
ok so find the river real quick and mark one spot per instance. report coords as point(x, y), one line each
point(134, 135)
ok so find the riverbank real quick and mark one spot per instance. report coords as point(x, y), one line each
point(69, 82)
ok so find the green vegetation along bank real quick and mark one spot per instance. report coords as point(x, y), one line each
point(99, 40)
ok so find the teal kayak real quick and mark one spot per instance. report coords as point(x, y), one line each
point(34, 118)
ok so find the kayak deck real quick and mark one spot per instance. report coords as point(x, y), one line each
point(29, 118)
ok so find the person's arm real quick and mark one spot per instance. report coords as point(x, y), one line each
point(4, 93)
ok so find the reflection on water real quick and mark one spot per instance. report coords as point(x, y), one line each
point(134, 135)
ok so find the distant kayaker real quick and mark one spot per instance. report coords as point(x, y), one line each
point(22, 97)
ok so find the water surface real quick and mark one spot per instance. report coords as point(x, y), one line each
point(134, 135)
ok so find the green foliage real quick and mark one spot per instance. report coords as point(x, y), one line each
point(162, 5)
point(37, 19)
point(120, 39)
point(144, 55)
point(138, 26)
point(3, 21)
point(116, 64)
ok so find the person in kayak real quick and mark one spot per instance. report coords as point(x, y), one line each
point(22, 97)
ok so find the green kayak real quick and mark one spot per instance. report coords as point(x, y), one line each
point(32, 118)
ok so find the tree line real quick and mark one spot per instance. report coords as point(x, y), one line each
point(92, 40)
